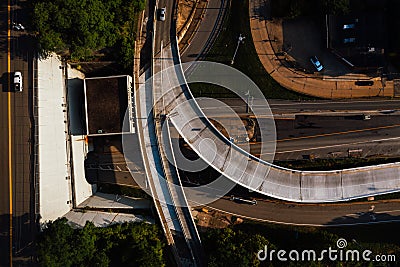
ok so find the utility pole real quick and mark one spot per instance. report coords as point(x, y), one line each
point(240, 40)
point(249, 103)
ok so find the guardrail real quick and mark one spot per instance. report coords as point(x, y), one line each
point(193, 235)
point(136, 106)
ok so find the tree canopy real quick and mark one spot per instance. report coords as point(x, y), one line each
point(138, 244)
point(78, 28)
point(229, 247)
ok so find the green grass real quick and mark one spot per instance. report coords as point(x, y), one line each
point(246, 60)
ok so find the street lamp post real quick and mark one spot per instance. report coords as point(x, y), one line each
point(240, 40)
point(249, 103)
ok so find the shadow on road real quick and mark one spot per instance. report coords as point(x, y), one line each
point(5, 81)
point(368, 217)
point(24, 232)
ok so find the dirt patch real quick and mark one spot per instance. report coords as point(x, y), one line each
point(185, 8)
point(206, 218)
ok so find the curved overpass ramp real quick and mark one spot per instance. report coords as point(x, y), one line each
point(254, 173)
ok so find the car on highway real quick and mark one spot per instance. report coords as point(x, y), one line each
point(17, 81)
point(18, 26)
point(162, 13)
point(349, 26)
point(317, 64)
point(243, 200)
point(366, 117)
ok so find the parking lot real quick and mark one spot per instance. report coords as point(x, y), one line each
point(302, 38)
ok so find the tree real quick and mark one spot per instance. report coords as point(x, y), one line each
point(336, 7)
point(79, 28)
point(128, 244)
point(54, 247)
point(229, 247)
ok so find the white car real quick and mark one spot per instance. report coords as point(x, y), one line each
point(17, 81)
point(162, 13)
point(18, 27)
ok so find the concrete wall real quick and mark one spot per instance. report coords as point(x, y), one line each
point(54, 182)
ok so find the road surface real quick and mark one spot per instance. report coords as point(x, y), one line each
point(15, 139)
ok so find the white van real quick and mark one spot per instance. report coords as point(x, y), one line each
point(17, 81)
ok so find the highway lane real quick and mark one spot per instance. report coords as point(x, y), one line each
point(288, 107)
point(324, 136)
point(384, 143)
point(327, 136)
point(204, 32)
point(313, 215)
point(15, 143)
point(164, 31)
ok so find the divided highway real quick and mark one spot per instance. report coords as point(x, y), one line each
point(170, 201)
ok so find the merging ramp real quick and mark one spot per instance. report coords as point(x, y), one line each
point(162, 176)
point(257, 174)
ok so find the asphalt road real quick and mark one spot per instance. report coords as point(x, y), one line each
point(317, 214)
point(163, 29)
point(326, 128)
point(202, 36)
point(15, 139)
point(4, 147)
point(287, 106)
point(335, 135)
point(313, 215)
point(324, 136)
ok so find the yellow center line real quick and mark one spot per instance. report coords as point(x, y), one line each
point(9, 126)
point(338, 133)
